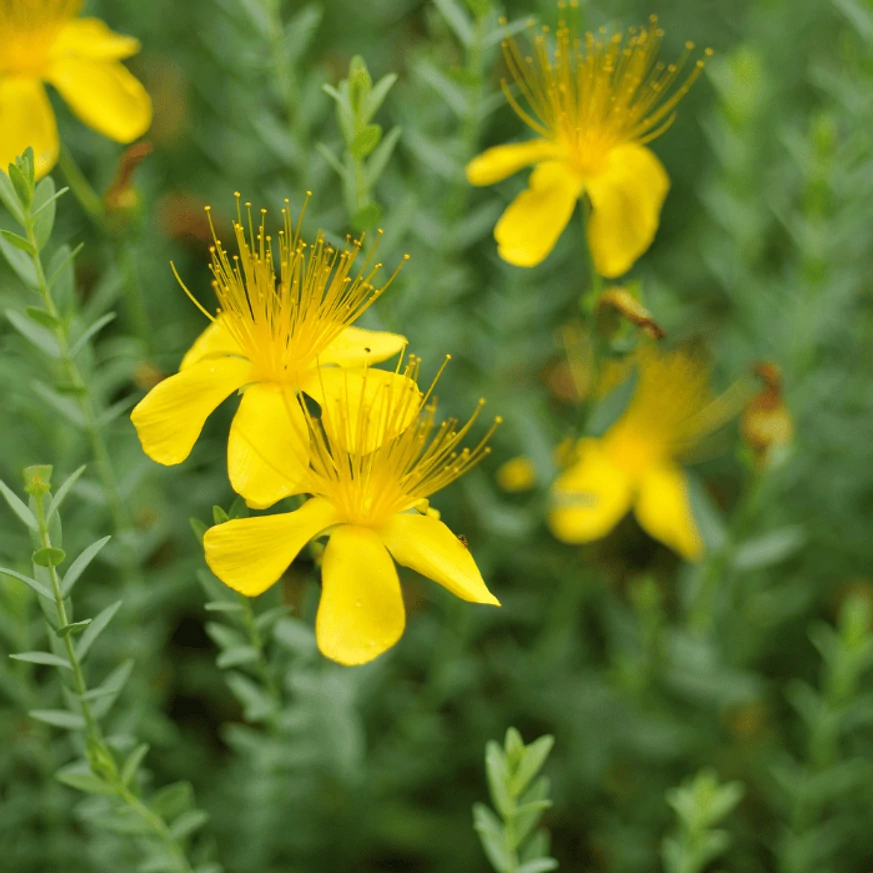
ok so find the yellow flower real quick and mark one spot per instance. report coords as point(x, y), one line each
point(517, 475)
point(44, 41)
point(635, 464)
point(275, 336)
point(594, 105)
point(374, 507)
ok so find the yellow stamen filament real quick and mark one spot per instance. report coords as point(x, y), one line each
point(284, 319)
point(420, 460)
point(593, 93)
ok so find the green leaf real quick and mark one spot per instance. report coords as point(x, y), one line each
point(18, 506)
point(43, 211)
point(21, 174)
point(540, 865)
point(80, 777)
point(91, 332)
point(295, 635)
point(498, 779)
point(9, 198)
point(62, 492)
point(38, 587)
point(365, 141)
point(65, 406)
point(490, 831)
point(133, 762)
point(224, 606)
point(377, 96)
point(39, 336)
point(368, 217)
point(79, 566)
point(49, 557)
point(18, 241)
point(61, 274)
point(379, 160)
point(199, 527)
point(173, 800)
point(75, 627)
point(219, 516)
point(236, 656)
point(95, 629)
point(458, 19)
point(256, 703)
point(533, 758)
point(42, 658)
point(187, 823)
point(268, 618)
point(59, 718)
point(40, 316)
point(106, 693)
point(125, 821)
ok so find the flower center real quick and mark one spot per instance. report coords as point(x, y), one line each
point(28, 30)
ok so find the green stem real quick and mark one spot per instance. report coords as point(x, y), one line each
point(287, 81)
point(100, 755)
point(121, 519)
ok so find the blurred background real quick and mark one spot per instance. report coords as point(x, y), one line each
point(645, 669)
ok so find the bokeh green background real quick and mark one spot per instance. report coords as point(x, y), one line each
point(644, 669)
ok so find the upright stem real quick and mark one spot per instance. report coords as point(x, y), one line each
point(121, 519)
point(99, 753)
point(262, 666)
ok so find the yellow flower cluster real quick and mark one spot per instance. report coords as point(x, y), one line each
point(284, 336)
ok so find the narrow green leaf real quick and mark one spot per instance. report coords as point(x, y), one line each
point(18, 506)
point(377, 96)
point(121, 823)
point(199, 528)
point(236, 656)
point(498, 779)
point(75, 627)
point(49, 557)
point(111, 687)
point(257, 704)
point(39, 336)
point(172, 800)
point(490, 831)
point(80, 777)
point(457, 18)
point(65, 406)
point(62, 275)
point(42, 658)
point(187, 823)
point(95, 629)
point(62, 492)
point(9, 198)
point(18, 241)
point(59, 718)
point(40, 316)
point(68, 388)
point(91, 332)
point(132, 764)
point(332, 159)
point(219, 516)
point(38, 587)
point(223, 606)
point(532, 760)
point(21, 174)
point(379, 159)
point(365, 141)
point(539, 865)
point(43, 211)
point(368, 217)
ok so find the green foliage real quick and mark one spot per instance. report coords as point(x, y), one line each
point(512, 839)
point(700, 804)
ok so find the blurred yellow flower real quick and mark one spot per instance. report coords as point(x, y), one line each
point(636, 463)
point(44, 41)
point(594, 103)
point(374, 507)
point(275, 335)
point(516, 475)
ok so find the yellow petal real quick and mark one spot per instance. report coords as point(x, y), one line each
point(502, 161)
point(268, 446)
point(104, 95)
point(91, 38)
point(363, 408)
point(590, 498)
point(170, 417)
point(355, 347)
point(626, 200)
point(427, 546)
point(530, 227)
point(663, 509)
point(27, 121)
point(361, 612)
point(250, 554)
point(215, 342)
